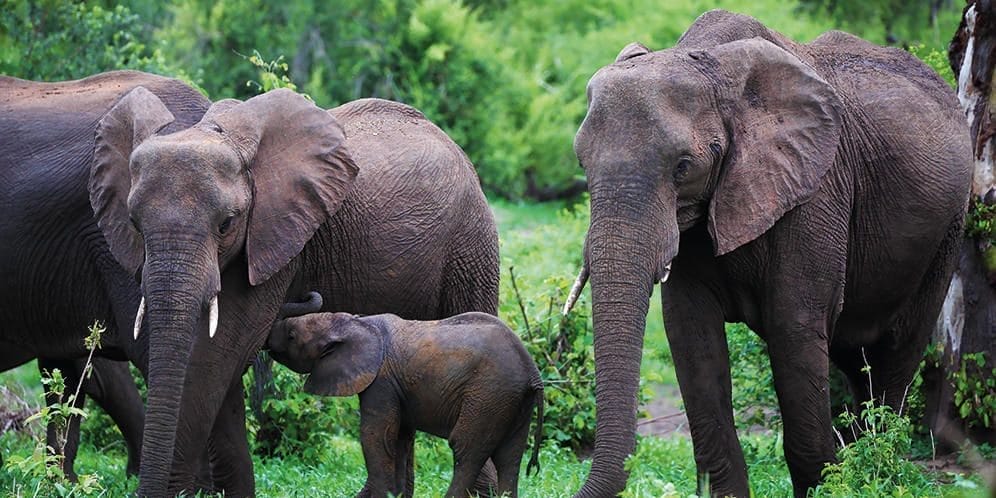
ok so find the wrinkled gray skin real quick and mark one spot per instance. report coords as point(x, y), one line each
point(57, 272)
point(112, 387)
point(467, 378)
point(813, 191)
point(259, 201)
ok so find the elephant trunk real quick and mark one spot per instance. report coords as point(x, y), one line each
point(177, 295)
point(627, 252)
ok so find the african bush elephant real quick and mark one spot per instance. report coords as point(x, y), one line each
point(112, 387)
point(58, 273)
point(369, 203)
point(467, 378)
point(816, 192)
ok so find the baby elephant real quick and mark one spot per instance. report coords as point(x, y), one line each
point(467, 378)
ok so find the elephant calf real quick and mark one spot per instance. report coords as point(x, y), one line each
point(467, 378)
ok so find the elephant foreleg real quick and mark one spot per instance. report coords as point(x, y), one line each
point(231, 463)
point(693, 320)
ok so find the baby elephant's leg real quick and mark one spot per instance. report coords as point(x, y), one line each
point(380, 423)
point(508, 455)
point(481, 427)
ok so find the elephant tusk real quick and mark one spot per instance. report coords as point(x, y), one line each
point(576, 289)
point(213, 317)
point(138, 317)
point(667, 273)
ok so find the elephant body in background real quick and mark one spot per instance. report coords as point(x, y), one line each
point(466, 378)
point(370, 204)
point(814, 191)
point(58, 274)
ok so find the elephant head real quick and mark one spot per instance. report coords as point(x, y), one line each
point(243, 190)
point(342, 352)
point(732, 136)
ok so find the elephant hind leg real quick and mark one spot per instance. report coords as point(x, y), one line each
point(508, 455)
point(895, 358)
point(472, 271)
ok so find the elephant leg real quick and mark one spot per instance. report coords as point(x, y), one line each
point(381, 441)
point(508, 455)
point(404, 473)
point(801, 375)
point(114, 389)
point(894, 359)
point(67, 448)
point(231, 463)
point(693, 321)
point(803, 301)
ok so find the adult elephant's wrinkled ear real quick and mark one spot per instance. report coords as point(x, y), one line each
point(785, 126)
point(300, 168)
point(351, 361)
point(136, 117)
point(634, 49)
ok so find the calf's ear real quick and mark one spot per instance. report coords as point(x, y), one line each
point(351, 360)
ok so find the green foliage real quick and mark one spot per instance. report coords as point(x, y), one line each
point(40, 473)
point(975, 390)
point(892, 21)
point(877, 463)
point(272, 74)
point(937, 60)
point(531, 297)
point(304, 422)
point(980, 223)
point(754, 399)
point(55, 40)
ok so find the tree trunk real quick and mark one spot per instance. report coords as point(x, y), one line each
point(968, 319)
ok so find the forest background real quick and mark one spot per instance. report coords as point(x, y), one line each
point(506, 80)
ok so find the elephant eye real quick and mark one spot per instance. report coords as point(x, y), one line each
point(681, 170)
point(134, 223)
point(225, 225)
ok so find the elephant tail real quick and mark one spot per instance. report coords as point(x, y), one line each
point(538, 431)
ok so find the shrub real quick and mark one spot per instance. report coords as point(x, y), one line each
point(54, 40)
point(754, 399)
point(40, 473)
point(877, 463)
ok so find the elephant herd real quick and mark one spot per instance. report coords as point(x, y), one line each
point(816, 193)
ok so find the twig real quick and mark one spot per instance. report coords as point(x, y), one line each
point(522, 307)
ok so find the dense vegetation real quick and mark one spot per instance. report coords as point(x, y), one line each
point(506, 79)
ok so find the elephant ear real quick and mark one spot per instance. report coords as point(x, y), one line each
point(785, 126)
point(634, 49)
point(134, 118)
point(300, 167)
point(351, 360)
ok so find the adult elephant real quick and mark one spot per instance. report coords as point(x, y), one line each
point(253, 206)
point(58, 275)
point(816, 192)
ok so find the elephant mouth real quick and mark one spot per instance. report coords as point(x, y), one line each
point(212, 317)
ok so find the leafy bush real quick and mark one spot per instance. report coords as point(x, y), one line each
point(54, 40)
point(301, 424)
point(754, 399)
point(877, 463)
point(40, 473)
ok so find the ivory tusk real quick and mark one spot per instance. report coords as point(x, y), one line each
point(576, 289)
point(213, 317)
point(138, 317)
point(667, 273)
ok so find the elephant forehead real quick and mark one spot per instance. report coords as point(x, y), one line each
point(190, 151)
